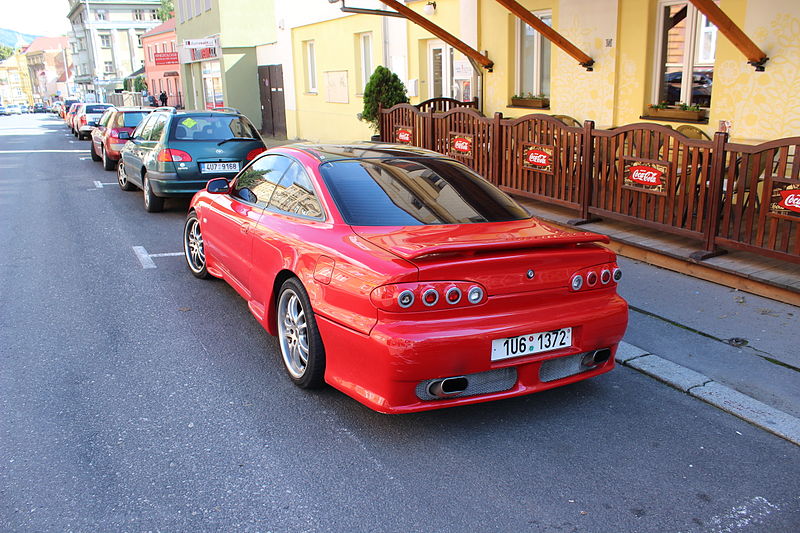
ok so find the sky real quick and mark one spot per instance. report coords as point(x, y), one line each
point(38, 17)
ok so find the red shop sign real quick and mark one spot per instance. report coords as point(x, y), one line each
point(645, 175)
point(403, 135)
point(462, 144)
point(790, 200)
point(166, 58)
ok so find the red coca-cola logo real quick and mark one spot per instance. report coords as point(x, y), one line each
point(403, 136)
point(645, 175)
point(462, 144)
point(538, 157)
point(790, 200)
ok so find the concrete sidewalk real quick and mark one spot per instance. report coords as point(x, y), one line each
point(726, 347)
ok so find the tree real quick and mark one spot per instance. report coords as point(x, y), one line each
point(166, 11)
point(384, 89)
point(139, 84)
point(5, 52)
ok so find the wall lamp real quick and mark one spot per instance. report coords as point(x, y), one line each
point(429, 8)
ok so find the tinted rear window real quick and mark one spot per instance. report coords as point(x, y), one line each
point(96, 108)
point(413, 192)
point(212, 128)
point(131, 120)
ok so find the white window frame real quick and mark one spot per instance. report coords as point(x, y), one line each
point(138, 14)
point(107, 36)
point(366, 60)
point(106, 69)
point(537, 54)
point(694, 27)
point(310, 58)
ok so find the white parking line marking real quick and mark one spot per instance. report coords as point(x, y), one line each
point(99, 185)
point(146, 259)
point(84, 158)
point(167, 254)
point(143, 257)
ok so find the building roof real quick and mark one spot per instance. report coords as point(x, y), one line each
point(47, 43)
point(164, 27)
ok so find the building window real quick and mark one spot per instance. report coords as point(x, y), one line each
point(311, 66)
point(138, 14)
point(208, 5)
point(101, 14)
point(81, 43)
point(686, 48)
point(365, 60)
point(533, 58)
point(153, 14)
point(105, 40)
point(108, 67)
point(139, 39)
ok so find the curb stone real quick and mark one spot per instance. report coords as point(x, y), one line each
point(704, 388)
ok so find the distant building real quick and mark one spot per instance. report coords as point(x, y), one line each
point(106, 42)
point(161, 64)
point(49, 66)
point(15, 86)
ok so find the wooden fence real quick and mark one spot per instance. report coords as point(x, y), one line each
point(722, 194)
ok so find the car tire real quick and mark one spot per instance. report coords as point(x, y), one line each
point(122, 178)
point(193, 250)
point(108, 164)
point(302, 351)
point(152, 203)
point(94, 155)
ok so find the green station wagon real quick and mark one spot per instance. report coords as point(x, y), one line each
point(173, 154)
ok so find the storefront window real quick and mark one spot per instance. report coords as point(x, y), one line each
point(688, 42)
point(534, 58)
point(212, 84)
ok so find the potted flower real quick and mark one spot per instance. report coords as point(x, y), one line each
point(384, 90)
point(679, 111)
point(539, 101)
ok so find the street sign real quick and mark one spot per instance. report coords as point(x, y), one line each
point(200, 43)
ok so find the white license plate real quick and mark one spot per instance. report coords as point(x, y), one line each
point(531, 343)
point(219, 167)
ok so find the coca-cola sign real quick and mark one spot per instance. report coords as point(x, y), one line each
point(538, 157)
point(403, 135)
point(462, 144)
point(786, 201)
point(647, 176)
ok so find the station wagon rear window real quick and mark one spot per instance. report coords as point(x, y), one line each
point(413, 192)
point(212, 128)
point(96, 108)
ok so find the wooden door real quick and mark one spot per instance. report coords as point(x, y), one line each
point(273, 107)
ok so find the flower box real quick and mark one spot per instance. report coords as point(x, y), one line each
point(537, 103)
point(676, 114)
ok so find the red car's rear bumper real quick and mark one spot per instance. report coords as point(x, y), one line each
point(384, 369)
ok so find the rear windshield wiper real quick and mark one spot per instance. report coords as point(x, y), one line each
point(237, 139)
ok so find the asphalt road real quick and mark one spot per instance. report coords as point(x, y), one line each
point(137, 399)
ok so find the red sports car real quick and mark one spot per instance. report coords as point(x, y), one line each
point(405, 280)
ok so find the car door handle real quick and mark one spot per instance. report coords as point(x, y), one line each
point(244, 228)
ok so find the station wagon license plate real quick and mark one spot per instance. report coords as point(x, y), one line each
point(219, 167)
point(531, 343)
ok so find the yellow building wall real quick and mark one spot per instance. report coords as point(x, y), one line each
point(315, 118)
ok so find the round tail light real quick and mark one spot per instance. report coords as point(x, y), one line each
point(617, 275)
point(591, 279)
point(475, 295)
point(430, 297)
point(453, 295)
point(577, 282)
point(605, 277)
point(405, 299)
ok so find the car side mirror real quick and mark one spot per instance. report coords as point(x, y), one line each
point(218, 186)
point(124, 135)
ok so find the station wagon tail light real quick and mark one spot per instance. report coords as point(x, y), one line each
point(171, 154)
point(115, 133)
point(424, 296)
point(595, 277)
point(83, 120)
point(252, 154)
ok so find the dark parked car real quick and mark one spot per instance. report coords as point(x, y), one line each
point(39, 107)
point(173, 154)
point(112, 132)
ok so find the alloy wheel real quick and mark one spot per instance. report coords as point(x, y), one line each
point(293, 333)
point(193, 246)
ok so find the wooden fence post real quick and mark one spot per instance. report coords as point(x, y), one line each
point(716, 198)
point(586, 181)
point(497, 149)
point(430, 140)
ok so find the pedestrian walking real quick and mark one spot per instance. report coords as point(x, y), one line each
point(163, 97)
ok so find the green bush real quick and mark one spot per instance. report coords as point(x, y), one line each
point(384, 89)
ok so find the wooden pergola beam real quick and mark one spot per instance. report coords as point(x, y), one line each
point(755, 56)
point(441, 33)
point(552, 35)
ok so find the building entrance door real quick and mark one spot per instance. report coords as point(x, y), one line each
point(440, 69)
point(273, 106)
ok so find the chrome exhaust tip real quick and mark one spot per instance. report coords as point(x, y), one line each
point(597, 357)
point(447, 387)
